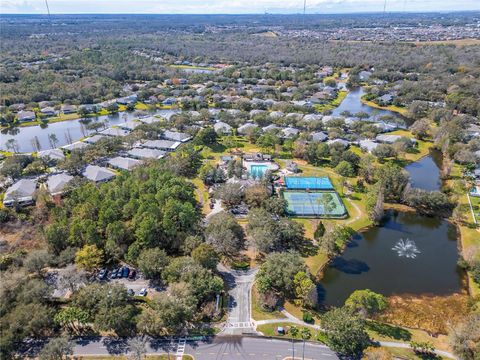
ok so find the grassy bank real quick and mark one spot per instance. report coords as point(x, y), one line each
point(333, 103)
point(393, 108)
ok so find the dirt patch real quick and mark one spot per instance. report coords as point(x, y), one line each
point(19, 235)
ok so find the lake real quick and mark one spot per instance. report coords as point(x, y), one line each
point(407, 254)
point(425, 173)
point(353, 104)
point(377, 259)
point(62, 130)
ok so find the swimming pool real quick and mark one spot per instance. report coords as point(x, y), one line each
point(257, 171)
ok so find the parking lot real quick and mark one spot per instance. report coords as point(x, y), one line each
point(133, 283)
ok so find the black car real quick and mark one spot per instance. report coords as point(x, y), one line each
point(102, 275)
point(132, 274)
point(130, 292)
point(125, 272)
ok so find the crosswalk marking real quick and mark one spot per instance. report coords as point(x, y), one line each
point(239, 325)
point(180, 348)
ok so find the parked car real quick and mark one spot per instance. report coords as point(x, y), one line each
point(130, 292)
point(143, 292)
point(114, 274)
point(133, 274)
point(125, 272)
point(102, 275)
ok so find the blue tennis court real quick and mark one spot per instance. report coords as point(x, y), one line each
point(311, 183)
point(314, 204)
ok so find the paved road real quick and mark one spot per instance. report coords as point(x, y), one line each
point(225, 347)
point(240, 283)
point(236, 347)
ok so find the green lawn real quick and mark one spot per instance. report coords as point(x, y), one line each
point(259, 314)
point(271, 330)
point(333, 103)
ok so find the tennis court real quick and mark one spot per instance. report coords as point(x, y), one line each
point(314, 204)
point(311, 183)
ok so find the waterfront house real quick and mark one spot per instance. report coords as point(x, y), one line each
point(48, 111)
point(23, 116)
point(54, 154)
point(68, 109)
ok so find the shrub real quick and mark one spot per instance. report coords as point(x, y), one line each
point(307, 317)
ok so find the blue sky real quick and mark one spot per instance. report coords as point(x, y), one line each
point(230, 6)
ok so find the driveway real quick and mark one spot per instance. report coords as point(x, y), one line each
point(240, 284)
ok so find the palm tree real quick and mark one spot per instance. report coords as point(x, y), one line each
point(294, 334)
point(305, 334)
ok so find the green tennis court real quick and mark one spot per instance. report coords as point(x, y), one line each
point(314, 204)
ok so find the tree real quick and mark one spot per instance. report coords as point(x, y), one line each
point(71, 317)
point(137, 347)
point(366, 302)
point(152, 262)
point(224, 234)
point(277, 273)
point(367, 168)
point(384, 151)
point(230, 194)
point(206, 256)
point(206, 136)
point(420, 128)
point(72, 278)
point(89, 257)
point(57, 349)
point(345, 331)
point(464, 337)
point(275, 205)
point(37, 261)
point(345, 169)
point(305, 289)
point(393, 180)
point(53, 140)
point(256, 195)
point(305, 334)
point(374, 203)
point(319, 231)
point(327, 202)
point(294, 333)
point(12, 145)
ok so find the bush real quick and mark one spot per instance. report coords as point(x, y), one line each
point(307, 317)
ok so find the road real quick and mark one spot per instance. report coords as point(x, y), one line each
point(222, 347)
point(240, 283)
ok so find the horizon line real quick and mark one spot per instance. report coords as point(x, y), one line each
point(255, 13)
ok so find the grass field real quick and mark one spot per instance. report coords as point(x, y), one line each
point(271, 330)
point(259, 314)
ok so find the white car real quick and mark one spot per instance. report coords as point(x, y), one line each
point(143, 292)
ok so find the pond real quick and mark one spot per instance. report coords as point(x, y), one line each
point(407, 254)
point(63, 130)
point(353, 104)
point(425, 173)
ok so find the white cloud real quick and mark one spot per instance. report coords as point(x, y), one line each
point(230, 6)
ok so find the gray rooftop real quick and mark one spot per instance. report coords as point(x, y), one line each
point(56, 183)
point(98, 174)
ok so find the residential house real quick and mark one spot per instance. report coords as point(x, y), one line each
point(176, 136)
point(54, 154)
point(246, 128)
point(312, 117)
point(150, 120)
point(343, 142)
point(98, 174)
point(318, 136)
point(78, 145)
point(169, 101)
point(222, 128)
point(68, 109)
point(93, 139)
point(124, 163)
point(385, 99)
point(131, 99)
point(390, 139)
point(115, 131)
point(165, 145)
point(57, 183)
point(290, 132)
point(130, 125)
point(20, 193)
point(367, 145)
point(143, 153)
point(271, 127)
point(276, 114)
point(364, 75)
point(48, 111)
point(23, 116)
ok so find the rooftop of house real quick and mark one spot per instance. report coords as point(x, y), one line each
point(22, 190)
point(143, 153)
point(54, 154)
point(97, 173)
point(57, 183)
point(124, 163)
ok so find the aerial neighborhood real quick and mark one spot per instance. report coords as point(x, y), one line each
point(200, 178)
